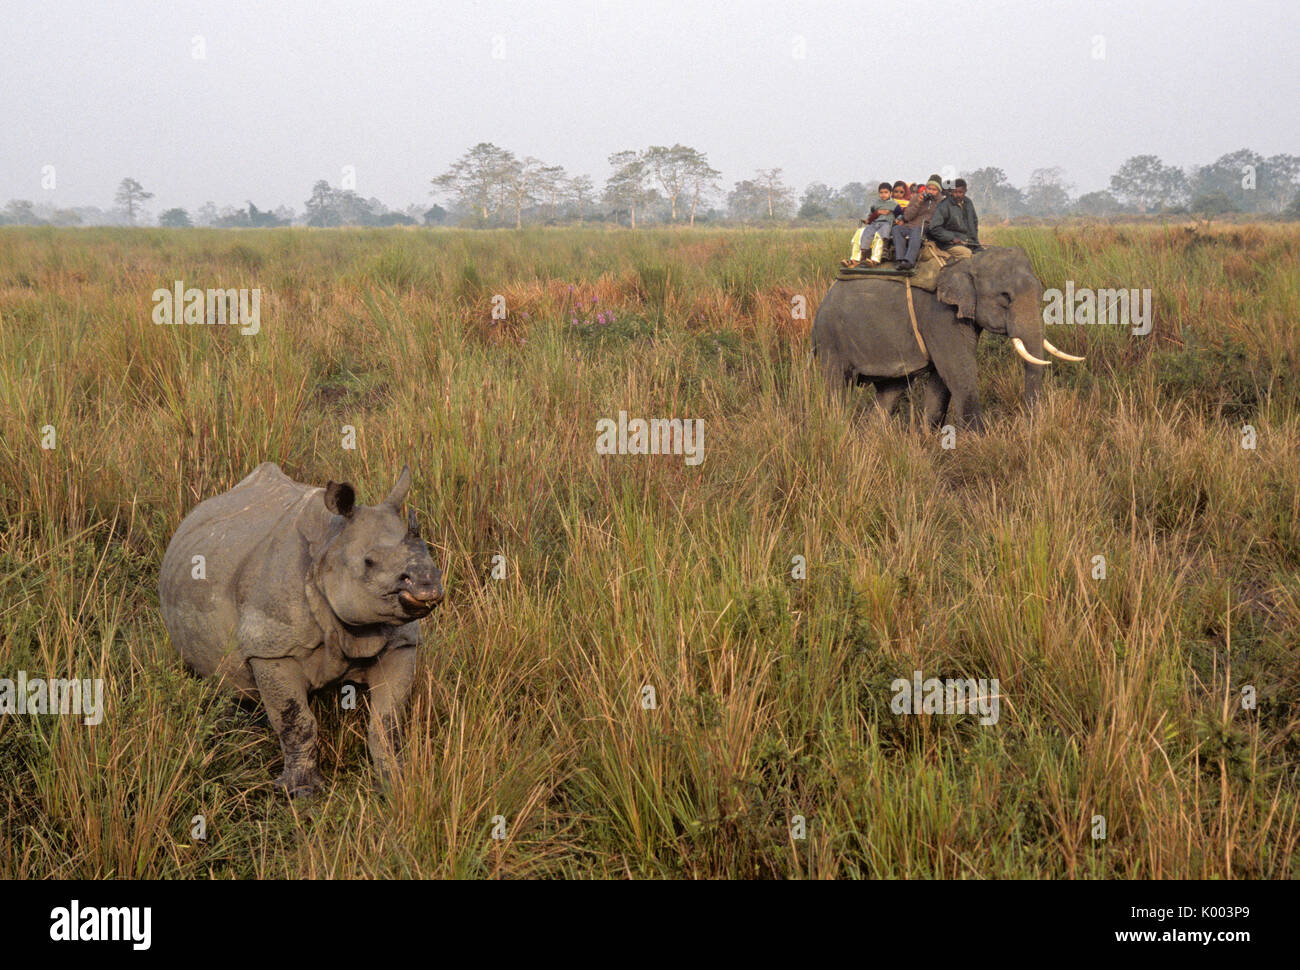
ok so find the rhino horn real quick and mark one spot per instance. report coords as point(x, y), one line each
point(398, 495)
point(412, 524)
point(340, 498)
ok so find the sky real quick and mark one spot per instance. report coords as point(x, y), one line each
point(232, 102)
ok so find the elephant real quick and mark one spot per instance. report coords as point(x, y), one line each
point(862, 333)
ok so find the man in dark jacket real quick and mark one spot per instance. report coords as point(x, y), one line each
point(909, 229)
point(955, 225)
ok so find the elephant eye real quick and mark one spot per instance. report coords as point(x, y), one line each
point(1004, 300)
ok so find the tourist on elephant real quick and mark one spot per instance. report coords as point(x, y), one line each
point(902, 194)
point(909, 229)
point(875, 229)
point(956, 225)
point(880, 221)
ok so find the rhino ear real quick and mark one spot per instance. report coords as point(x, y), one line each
point(340, 498)
point(398, 494)
point(412, 523)
point(957, 286)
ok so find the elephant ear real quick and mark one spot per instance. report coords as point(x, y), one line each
point(957, 286)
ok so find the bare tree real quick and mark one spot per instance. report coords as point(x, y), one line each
point(581, 187)
point(779, 196)
point(626, 186)
point(477, 181)
point(993, 194)
point(702, 180)
point(551, 183)
point(522, 180)
point(1049, 193)
point(671, 168)
point(131, 196)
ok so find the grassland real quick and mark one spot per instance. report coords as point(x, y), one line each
point(1122, 697)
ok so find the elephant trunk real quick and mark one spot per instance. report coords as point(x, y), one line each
point(1026, 333)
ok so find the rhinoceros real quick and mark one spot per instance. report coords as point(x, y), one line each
point(279, 589)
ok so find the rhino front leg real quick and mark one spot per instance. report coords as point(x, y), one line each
point(390, 685)
point(283, 688)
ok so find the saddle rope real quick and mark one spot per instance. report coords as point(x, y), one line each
point(911, 312)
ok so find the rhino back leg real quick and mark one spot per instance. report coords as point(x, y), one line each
point(283, 687)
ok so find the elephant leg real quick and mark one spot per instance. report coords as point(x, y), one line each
point(975, 415)
point(283, 688)
point(937, 397)
point(955, 365)
point(970, 414)
point(836, 376)
point(888, 392)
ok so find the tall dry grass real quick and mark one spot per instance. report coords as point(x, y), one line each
point(1121, 697)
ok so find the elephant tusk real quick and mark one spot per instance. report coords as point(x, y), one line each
point(1060, 353)
point(1020, 349)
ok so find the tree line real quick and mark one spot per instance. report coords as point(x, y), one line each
point(490, 186)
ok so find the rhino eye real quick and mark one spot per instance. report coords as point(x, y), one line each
point(370, 563)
